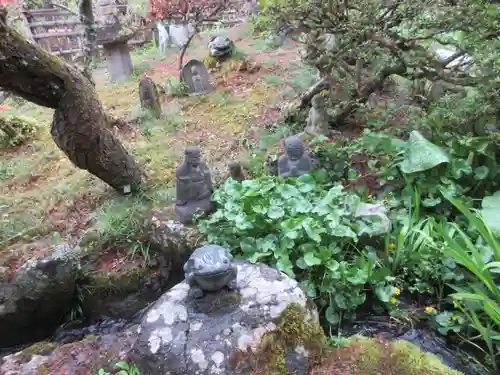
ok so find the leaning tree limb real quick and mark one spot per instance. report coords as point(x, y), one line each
point(79, 126)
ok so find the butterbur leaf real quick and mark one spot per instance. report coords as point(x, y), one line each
point(311, 260)
point(268, 243)
point(332, 265)
point(285, 265)
point(275, 212)
point(480, 173)
point(301, 263)
point(248, 245)
point(332, 316)
point(288, 191)
point(259, 209)
point(490, 208)
point(422, 155)
point(384, 292)
point(257, 256)
point(340, 301)
point(431, 202)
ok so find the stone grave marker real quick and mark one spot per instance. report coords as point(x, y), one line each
point(195, 75)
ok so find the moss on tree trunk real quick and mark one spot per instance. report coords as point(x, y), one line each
point(79, 126)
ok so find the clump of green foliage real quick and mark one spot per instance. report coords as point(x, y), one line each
point(123, 368)
point(17, 130)
point(176, 88)
point(304, 227)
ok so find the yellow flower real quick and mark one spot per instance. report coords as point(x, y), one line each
point(453, 317)
point(397, 291)
point(393, 300)
point(430, 309)
point(391, 246)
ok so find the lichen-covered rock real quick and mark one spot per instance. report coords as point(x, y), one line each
point(41, 293)
point(79, 358)
point(269, 321)
point(173, 243)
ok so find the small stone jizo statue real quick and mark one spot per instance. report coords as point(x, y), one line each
point(317, 121)
point(198, 85)
point(295, 162)
point(209, 269)
point(194, 187)
point(236, 171)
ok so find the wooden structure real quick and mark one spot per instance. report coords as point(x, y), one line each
point(60, 31)
point(56, 30)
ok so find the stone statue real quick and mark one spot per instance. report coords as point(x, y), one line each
point(317, 121)
point(209, 269)
point(236, 171)
point(198, 85)
point(295, 162)
point(194, 187)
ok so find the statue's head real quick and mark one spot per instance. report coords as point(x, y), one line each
point(193, 156)
point(318, 101)
point(294, 147)
point(234, 167)
point(194, 70)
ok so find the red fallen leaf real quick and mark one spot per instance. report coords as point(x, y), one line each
point(4, 107)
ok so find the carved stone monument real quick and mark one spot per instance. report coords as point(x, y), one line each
point(295, 162)
point(317, 121)
point(194, 187)
point(236, 171)
point(149, 96)
point(209, 269)
point(195, 75)
point(114, 39)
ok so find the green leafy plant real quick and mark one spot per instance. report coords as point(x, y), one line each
point(479, 299)
point(124, 369)
point(17, 130)
point(176, 88)
point(302, 226)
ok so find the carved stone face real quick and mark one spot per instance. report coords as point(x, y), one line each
point(194, 71)
point(193, 157)
point(294, 148)
point(318, 101)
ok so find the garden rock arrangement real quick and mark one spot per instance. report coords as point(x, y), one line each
point(207, 335)
point(33, 303)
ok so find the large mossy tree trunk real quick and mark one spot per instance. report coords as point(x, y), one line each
point(79, 126)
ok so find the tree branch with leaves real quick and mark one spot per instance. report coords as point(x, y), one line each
point(358, 44)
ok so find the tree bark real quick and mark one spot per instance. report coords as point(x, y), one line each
point(90, 36)
point(79, 125)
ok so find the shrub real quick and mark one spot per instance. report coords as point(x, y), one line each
point(17, 130)
point(304, 227)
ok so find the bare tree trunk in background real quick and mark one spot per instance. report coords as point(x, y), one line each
point(89, 48)
point(79, 126)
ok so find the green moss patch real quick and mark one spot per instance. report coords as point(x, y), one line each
point(369, 356)
point(293, 329)
point(40, 348)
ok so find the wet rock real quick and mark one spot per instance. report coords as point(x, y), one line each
point(213, 334)
point(34, 302)
point(79, 358)
point(173, 243)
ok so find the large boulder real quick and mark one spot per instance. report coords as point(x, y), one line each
point(267, 325)
point(41, 293)
point(173, 243)
point(78, 358)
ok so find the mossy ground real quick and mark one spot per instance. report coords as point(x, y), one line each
point(369, 356)
point(42, 193)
